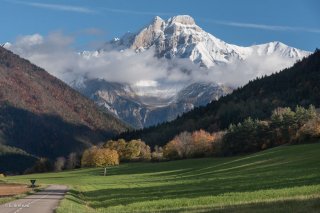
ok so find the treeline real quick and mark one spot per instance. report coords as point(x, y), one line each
point(284, 126)
point(108, 154)
point(113, 152)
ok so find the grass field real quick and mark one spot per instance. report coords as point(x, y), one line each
point(283, 179)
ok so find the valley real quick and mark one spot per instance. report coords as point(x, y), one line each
point(193, 106)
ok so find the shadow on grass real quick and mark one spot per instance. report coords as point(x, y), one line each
point(311, 205)
point(197, 178)
point(125, 196)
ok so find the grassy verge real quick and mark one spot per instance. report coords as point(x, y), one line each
point(277, 180)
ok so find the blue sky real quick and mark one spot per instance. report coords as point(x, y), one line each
point(241, 22)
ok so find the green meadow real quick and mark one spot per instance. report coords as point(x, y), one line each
point(282, 179)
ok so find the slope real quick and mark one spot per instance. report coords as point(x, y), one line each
point(43, 116)
point(298, 85)
point(282, 179)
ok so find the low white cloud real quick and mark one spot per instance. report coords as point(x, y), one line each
point(29, 40)
point(144, 83)
point(55, 54)
point(241, 72)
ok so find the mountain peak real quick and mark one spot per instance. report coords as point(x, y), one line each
point(182, 19)
point(180, 37)
point(157, 23)
point(157, 18)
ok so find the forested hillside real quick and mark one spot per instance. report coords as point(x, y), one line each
point(45, 117)
point(298, 85)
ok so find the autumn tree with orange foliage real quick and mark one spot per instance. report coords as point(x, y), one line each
point(188, 145)
point(134, 150)
point(202, 143)
point(119, 145)
point(99, 157)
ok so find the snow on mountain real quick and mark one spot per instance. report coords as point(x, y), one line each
point(149, 102)
point(279, 48)
point(180, 37)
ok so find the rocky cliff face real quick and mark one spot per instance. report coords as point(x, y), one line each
point(140, 110)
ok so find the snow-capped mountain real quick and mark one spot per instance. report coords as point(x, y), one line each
point(166, 63)
point(180, 37)
point(148, 103)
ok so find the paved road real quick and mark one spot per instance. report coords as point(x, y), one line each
point(44, 201)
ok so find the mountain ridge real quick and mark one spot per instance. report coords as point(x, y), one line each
point(180, 37)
